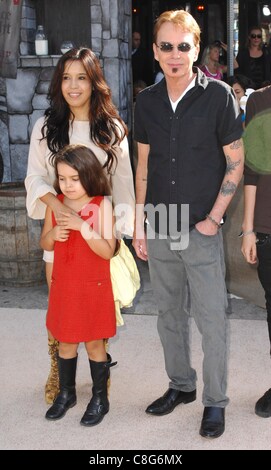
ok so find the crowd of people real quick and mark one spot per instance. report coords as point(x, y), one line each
point(194, 145)
point(252, 63)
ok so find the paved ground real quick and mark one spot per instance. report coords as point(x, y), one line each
point(136, 381)
point(36, 298)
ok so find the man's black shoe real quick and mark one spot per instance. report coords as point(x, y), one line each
point(166, 403)
point(263, 405)
point(213, 422)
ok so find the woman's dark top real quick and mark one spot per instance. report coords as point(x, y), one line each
point(258, 69)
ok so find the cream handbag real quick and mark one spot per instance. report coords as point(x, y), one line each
point(125, 279)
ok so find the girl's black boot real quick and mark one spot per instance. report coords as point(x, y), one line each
point(99, 404)
point(67, 396)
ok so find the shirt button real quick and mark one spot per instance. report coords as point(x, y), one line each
point(172, 182)
point(177, 117)
point(173, 160)
point(173, 138)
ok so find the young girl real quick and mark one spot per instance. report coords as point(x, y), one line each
point(81, 110)
point(81, 305)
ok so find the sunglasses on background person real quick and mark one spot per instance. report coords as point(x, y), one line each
point(254, 36)
point(168, 47)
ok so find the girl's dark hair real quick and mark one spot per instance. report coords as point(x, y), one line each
point(103, 115)
point(242, 80)
point(90, 170)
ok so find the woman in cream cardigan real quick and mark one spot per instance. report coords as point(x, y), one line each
point(80, 111)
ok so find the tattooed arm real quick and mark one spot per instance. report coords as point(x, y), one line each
point(234, 154)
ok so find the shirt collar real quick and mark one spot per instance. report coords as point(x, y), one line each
point(201, 80)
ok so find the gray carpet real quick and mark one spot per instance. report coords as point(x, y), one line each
point(35, 297)
point(138, 379)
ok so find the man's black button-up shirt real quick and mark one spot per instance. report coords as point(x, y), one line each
point(186, 163)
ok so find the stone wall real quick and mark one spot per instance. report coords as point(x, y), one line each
point(24, 99)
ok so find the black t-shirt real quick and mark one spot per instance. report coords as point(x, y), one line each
point(256, 65)
point(186, 163)
point(257, 69)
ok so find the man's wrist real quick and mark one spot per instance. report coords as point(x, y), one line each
point(214, 222)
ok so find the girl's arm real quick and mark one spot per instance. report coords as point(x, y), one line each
point(101, 239)
point(50, 234)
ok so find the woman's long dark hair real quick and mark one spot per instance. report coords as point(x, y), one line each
point(103, 114)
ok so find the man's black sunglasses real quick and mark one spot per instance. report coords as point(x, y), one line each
point(168, 47)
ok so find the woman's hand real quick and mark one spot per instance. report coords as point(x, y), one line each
point(61, 209)
point(70, 220)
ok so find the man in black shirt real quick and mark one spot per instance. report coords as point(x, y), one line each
point(190, 155)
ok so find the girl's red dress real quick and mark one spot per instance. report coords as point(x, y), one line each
point(81, 304)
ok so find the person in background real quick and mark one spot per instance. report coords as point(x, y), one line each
point(256, 226)
point(141, 61)
point(80, 111)
point(158, 77)
point(158, 73)
point(266, 83)
point(210, 64)
point(254, 61)
point(243, 87)
point(188, 129)
point(138, 86)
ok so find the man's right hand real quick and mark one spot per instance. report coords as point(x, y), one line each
point(140, 246)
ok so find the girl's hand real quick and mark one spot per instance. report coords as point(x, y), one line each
point(60, 233)
point(71, 221)
point(224, 46)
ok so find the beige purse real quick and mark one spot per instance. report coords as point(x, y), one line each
point(125, 279)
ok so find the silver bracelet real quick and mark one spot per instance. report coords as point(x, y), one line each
point(243, 234)
point(209, 217)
